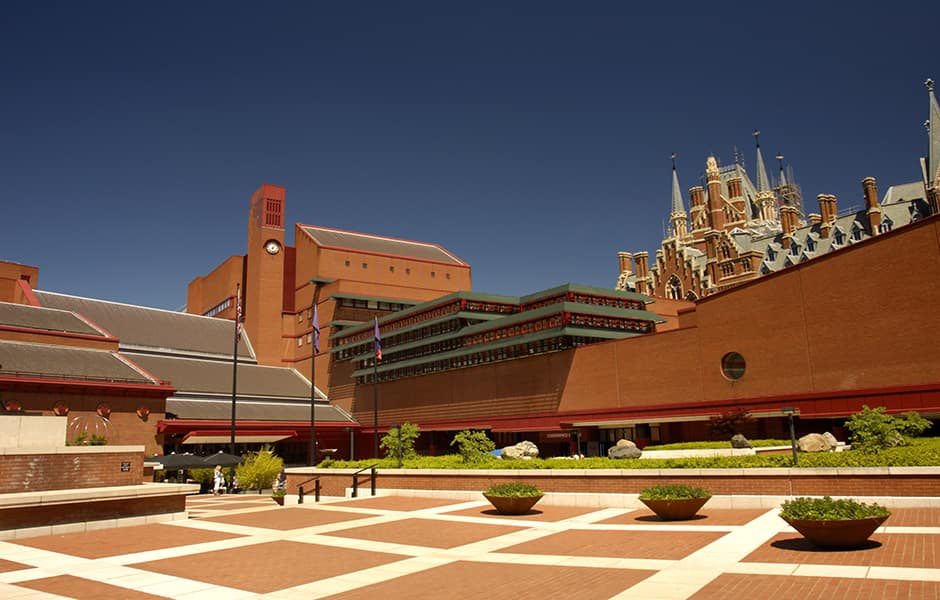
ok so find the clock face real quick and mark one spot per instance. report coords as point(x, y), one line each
point(272, 247)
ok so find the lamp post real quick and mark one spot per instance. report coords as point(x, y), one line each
point(318, 284)
point(789, 411)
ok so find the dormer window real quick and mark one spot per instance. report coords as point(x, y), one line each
point(885, 226)
point(771, 255)
point(810, 245)
point(838, 236)
point(795, 249)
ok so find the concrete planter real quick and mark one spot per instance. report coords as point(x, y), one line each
point(850, 533)
point(507, 505)
point(679, 509)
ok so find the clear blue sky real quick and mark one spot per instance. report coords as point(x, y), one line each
point(532, 139)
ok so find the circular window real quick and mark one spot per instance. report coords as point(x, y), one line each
point(733, 365)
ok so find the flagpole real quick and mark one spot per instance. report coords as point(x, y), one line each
point(238, 317)
point(314, 348)
point(375, 391)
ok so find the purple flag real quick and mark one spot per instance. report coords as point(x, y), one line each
point(378, 341)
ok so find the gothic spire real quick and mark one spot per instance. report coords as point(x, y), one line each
point(763, 183)
point(783, 177)
point(677, 205)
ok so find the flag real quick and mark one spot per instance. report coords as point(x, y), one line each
point(238, 315)
point(378, 341)
point(316, 330)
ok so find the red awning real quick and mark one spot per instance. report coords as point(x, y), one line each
point(242, 436)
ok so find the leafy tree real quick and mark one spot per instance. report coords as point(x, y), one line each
point(259, 470)
point(473, 445)
point(409, 433)
point(730, 421)
point(873, 429)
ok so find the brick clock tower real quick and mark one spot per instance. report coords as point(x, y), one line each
point(263, 296)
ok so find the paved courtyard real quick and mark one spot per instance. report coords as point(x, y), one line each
point(245, 546)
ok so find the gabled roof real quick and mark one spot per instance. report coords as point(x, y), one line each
point(153, 329)
point(195, 376)
point(45, 319)
point(377, 244)
point(66, 362)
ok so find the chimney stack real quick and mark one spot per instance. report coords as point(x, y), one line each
point(814, 218)
point(626, 262)
point(870, 186)
point(642, 272)
point(716, 209)
point(788, 218)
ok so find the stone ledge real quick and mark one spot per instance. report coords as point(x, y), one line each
point(71, 450)
point(85, 495)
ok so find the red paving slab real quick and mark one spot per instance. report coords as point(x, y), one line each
point(398, 503)
point(673, 545)
point(8, 565)
point(883, 550)
point(425, 532)
point(70, 586)
point(780, 587)
point(720, 516)
point(914, 517)
point(271, 566)
point(502, 582)
point(539, 513)
point(123, 540)
point(287, 518)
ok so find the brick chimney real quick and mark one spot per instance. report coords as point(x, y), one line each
point(870, 186)
point(734, 188)
point(827, 204)
point(626, 262)
point(814, 218)
point(788, 218)
point(642, 272)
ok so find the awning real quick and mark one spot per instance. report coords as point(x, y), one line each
point(242, 436)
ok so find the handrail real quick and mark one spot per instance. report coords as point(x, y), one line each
point(316, 490)
point(355, 481)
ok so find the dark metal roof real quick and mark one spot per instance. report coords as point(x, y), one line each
point(153, 328)
point(46, 319)
point(253, 410)
point(197, 376)
point(376, 244)
point(66, 362)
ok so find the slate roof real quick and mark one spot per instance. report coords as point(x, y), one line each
point(45, 319)
point(376, 244)
point(66, 362)
point(153, 329)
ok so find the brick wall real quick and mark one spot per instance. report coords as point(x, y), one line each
point(34, 472)
point(915, 482)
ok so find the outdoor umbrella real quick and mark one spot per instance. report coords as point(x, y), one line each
point(222, 459)
point(187, 460)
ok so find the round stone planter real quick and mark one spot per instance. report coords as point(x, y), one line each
point(850, 533)
point(513, 505)
point(675, 510)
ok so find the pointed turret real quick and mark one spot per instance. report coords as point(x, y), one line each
point(678, 218)
point(765, 194)
point(933, 146)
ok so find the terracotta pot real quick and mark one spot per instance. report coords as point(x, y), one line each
point(675, 510)
point(278, 499)
point(512, 505)
point(849, 533)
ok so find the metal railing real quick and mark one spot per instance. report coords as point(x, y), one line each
point(316, 489)
point(355, 481)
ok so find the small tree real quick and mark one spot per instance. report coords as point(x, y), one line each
point(259, 470)
point(729, 422)
point(473, 446)
point(873, 429)
point(409, 434)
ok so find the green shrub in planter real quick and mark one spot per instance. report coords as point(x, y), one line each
point(827, 509)
point(513, 490)
point(673, 492)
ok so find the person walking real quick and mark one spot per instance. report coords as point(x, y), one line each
point(218, 480)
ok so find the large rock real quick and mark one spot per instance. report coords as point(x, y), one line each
point(522, 450)
point(624, 452)
point(832, 439)
point(625, 444)
point(815, 442)
point(739, 441)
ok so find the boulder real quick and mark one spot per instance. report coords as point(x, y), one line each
point(832, 439)
point(814, 442)
point(739, 441)
point(522, 450)
point(625, 444)
point(624, 452)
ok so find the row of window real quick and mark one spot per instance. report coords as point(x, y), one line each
point(406, 337)
point(380, 304)
point(489, 307)
point(391, 269)
point(440, 311)
point(227, 303)
point(476, 358)
point(610, 323)
point(514, 330)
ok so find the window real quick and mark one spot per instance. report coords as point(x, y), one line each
point(433, 274)
point(838, 237)
point(407, 270)
point(391, 268)
point(733, 366)
point(300, 341)
point(347, 263)
point(365, 265)
point(857, 234)
point(795, 249)
point(447, 276)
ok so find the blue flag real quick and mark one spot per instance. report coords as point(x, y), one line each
point(378, 341)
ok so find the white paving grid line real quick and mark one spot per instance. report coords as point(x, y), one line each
point(687, 576)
